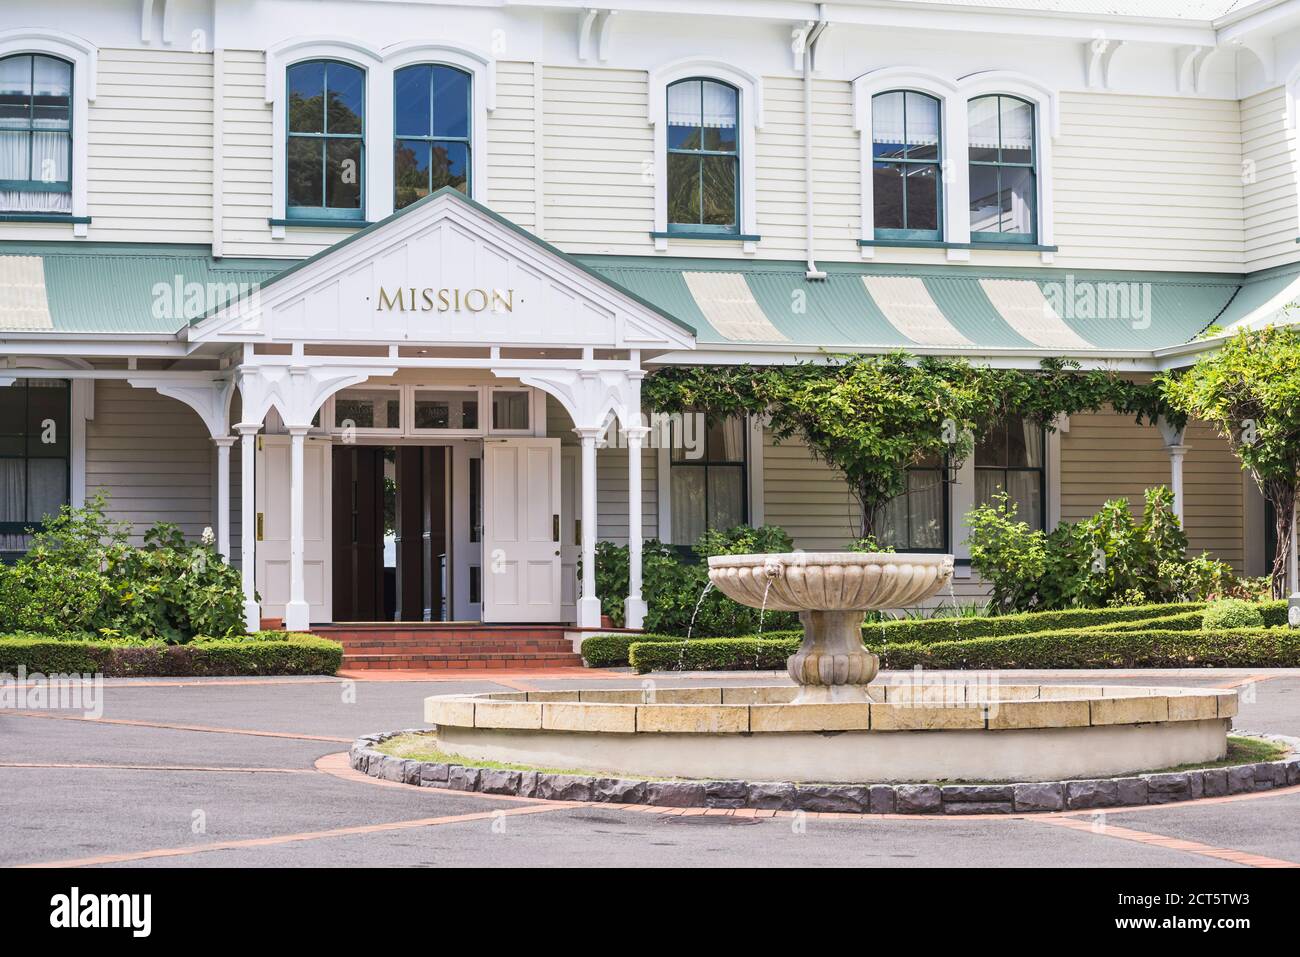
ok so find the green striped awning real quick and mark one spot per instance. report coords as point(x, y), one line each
point(941, 308)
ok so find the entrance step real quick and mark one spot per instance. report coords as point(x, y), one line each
point(443, 646)
point(460, 662)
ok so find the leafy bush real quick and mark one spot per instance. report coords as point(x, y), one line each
point(672, 585)
point(265, 653)
point(1092, 648)
point(82, 574)
point(1106, 560)
point(1231, 613)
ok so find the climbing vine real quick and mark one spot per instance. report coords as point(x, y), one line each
point(871, 417)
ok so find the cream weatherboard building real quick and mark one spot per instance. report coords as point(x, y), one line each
point(369, 288)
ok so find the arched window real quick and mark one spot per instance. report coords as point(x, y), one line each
point(703, 157)
point(326, 121)
point(35, 134)
point(432, 131)
point(906, 157)
point(1003, 177)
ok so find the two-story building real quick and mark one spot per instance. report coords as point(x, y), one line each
point(369, 287)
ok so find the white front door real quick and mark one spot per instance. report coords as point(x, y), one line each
point(521, 530)
point(273, 525)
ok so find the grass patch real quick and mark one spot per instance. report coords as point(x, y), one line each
point(1240, 751)
point(424, 747)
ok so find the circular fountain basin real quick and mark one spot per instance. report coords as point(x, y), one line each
point(967, 731)
point(830, 581)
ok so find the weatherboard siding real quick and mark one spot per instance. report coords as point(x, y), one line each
point(1148, 183)
point(512, 144)
point(152, 456)
point(150, 147)
point(1269, 172)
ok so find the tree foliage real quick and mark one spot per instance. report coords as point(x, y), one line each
point(1249, 390)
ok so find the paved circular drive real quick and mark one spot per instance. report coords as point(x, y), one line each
point(254, 772)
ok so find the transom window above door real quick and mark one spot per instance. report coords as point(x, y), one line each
point(35, 134)
point(432, 143)
point(437, 410)
point(907, 187)
point(703, 157)
point(325, 153)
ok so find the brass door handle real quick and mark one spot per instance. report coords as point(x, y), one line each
point(261, 525)
point(555, 527)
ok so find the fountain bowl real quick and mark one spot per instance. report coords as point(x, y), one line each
point(832, 592)
point(830, 581)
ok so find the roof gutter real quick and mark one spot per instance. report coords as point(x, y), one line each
point(809, 36)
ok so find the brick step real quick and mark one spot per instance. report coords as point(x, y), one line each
point(459, 662)
point(462, 648)
point(348, 635)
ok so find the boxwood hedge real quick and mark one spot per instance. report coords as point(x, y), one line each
point(1072, 648)
point(611, 651)
point(263, 653)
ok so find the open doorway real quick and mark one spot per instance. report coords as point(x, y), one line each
point(392, 542)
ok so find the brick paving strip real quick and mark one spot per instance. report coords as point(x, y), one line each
point(89, 766)
point(1172, 843)
point(177, 727)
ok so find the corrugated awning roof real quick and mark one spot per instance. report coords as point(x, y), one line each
point(118, 288)
point(155, 290)
point(957, 309)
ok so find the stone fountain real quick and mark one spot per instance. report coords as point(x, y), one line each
point(832, 592)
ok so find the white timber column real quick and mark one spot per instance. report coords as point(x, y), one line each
point(1173, 437)
point(589, 603)
point(223, 443)
point(297, 613)
point(634, 608)
point(248, 522)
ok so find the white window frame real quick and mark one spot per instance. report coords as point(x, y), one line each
point(329, 425)
point(379, 66)
point(749, 119)
point(752, 482)
point(409, 406)
point(532, 394)
point(84, 57)
point(954, 94)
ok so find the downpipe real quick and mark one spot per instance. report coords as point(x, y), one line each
point(809, 49)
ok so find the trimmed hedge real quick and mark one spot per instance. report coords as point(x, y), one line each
point(265, 653)
point(1075, 648)
point(611, 651)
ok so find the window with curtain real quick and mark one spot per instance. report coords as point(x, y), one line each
point(431, 124)
point(905, 175)
point(917, 520)
point(35, 417)
point(1009, 457)
point(703, 157)
point(326, 120)
point(35, 134)
point(708, 476)
point(1003, 181)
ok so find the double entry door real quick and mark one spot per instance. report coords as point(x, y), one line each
point(416, 533)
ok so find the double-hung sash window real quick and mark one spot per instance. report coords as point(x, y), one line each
point(703, 157)
point(708, 476)
point(432, 127)
point(917, 520)
point(35, 444)
point(1003, 178)
point(906, 181)
point(35, 134)
point(1009, 457)
point(325, 152)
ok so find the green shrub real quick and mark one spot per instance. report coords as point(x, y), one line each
point(81, 574)
point(1106, 560)
point(265, 653)
point(1231, 613)
point(1093, 648)
point(672, 584)
point(611, 651)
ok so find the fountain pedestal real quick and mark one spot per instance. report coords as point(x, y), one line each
point(832, 591)
point(832, 664)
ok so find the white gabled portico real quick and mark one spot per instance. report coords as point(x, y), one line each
point(445, 284)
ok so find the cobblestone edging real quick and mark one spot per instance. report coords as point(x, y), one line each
point(852, 798)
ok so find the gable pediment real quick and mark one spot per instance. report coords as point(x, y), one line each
point(446, 271)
